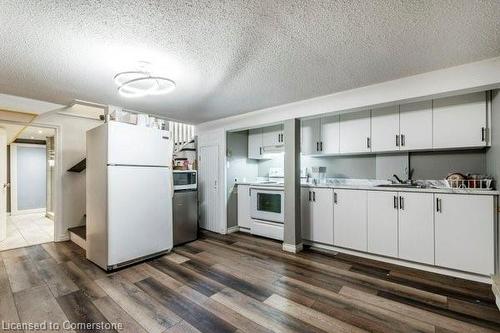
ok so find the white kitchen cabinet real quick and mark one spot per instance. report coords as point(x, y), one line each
point(355, 133)
point(330, 135)
point(255, 143)
point(385, 129)
point(317, 215)
point(464, 232)
point(244, 220)
point(415, 125)
point(349, 219)
point(382, 221)
point(272, 136)
point(310, 136)
point(416, 227)
point(460, 121)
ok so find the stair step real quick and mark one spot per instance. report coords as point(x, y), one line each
point(78, 235)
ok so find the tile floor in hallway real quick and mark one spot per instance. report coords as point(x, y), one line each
point(28, 229)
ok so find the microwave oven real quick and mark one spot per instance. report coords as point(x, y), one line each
point(185, 180)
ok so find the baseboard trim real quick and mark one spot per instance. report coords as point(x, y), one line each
point(293, 248)
point(28, 211)
point(423, 267)
point(232, 229)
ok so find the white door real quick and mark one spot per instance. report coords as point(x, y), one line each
point(321, 217)
point(415, 125)
point(255, 143)
point(244, 206)
point(272, 135)
point(460, 121)
point(330, 135)
point(208, 190)
point(385, 129)
point(3, 184)
point(349, 216)
point(416, 227)
point(310, 136)
point(305, 211)
point(464, 231)
point(382, 212)
point(139, 212)
point(355, 132)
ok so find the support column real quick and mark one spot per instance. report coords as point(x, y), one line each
point(292, 240)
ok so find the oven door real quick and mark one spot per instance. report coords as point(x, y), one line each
point(185, 180)
point(267, 204)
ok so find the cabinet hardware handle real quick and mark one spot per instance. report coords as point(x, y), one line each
point(309, 195)
point(395, 202)
point(367, 142)
point(321, 145)
point(397, 140)
point(282, 135)
point(317, 146)
point(334, 197)
point(402, 203)
point(483, 134)
point(438, 205)
point(314, 196)
point(402, 140)
point(249, 192)
point(260, 150)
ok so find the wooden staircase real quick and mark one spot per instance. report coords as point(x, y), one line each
point(78, 235)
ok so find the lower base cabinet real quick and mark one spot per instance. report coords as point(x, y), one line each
point(244, 220)
point(464, 231)
point(382, 217)
point(349, 219)
point(416, 227)
point(317, 215)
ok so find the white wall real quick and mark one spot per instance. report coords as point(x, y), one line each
point(72, 137)
point(477, 76)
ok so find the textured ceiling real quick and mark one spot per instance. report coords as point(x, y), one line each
point(231, 57)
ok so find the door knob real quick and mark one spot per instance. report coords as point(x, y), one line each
point(5, 185)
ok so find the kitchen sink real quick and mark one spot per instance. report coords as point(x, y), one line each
point(400, 185)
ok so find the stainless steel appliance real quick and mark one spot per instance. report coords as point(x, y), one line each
point(185, 180)
point(267, 204)
point(185, 206)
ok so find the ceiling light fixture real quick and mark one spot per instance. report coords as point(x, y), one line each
point(142, 82)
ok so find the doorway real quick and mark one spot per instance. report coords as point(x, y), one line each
point(27, 210)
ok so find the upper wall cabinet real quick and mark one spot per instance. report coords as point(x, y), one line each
point(460, 121)
point(310, 136)
point(385, 129)
point(255, 143)
point(415, 126)
point(320, 135)
point(272, 136)
point(330, 135)
point(355, 131)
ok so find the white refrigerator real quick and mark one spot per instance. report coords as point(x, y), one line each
point(128, 194)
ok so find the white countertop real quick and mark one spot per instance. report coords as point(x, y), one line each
point(371, 186)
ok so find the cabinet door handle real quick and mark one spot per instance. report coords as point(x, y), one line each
point(260, 150)
point(321, 145)
point(309, 195)
point(249, 192)
point(438, 205)
point(314, 196)
point(334, 197)
point(402, 140)
point(402, 203)
point(483, 134)
point(395, 202)
point(282, 140)
point(397, 140)
point(317, 146)
point(367, 142)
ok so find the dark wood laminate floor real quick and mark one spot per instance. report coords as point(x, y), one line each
point(239, 283)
